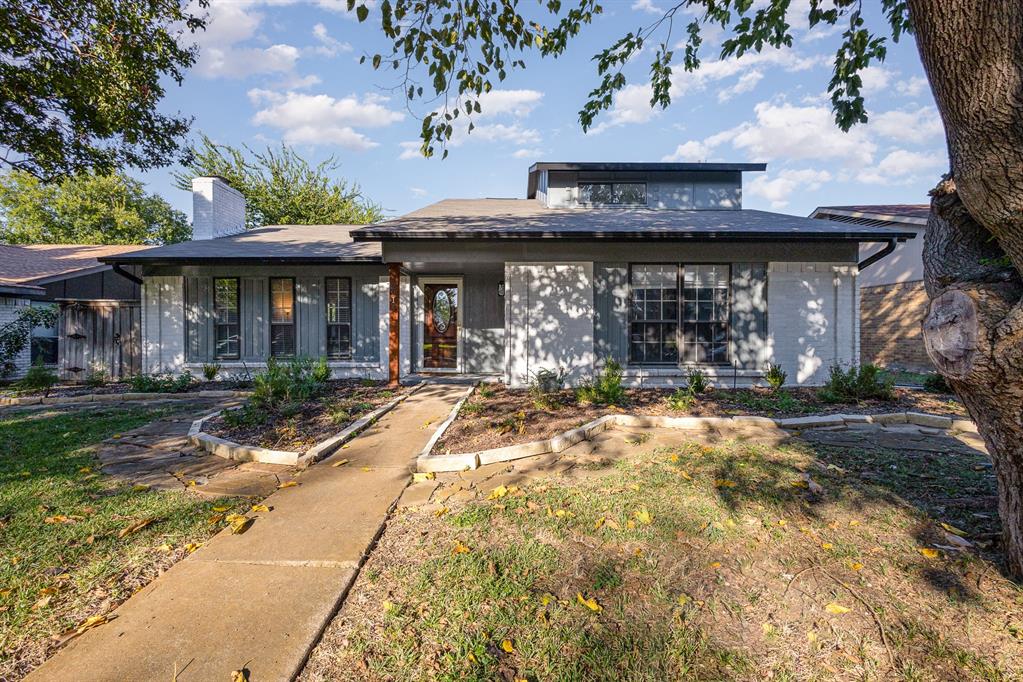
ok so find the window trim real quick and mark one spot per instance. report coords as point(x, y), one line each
point(612, 203)
point(238, 304)
point(294, 315)
point(351, 319)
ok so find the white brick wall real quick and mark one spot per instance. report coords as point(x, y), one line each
point(813, 318)
point(9, 309)
point(218, 210)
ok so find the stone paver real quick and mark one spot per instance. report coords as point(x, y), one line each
point(260, 600)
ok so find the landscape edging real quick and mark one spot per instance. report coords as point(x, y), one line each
point(117, 397)
point(451, 460)
point(562, 441)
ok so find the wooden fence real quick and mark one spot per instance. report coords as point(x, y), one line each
point(103, 336)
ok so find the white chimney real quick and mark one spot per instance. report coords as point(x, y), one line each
point(218, 210)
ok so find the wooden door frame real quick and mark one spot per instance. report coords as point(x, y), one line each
point(457, 280)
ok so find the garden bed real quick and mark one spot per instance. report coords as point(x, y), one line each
point(111, 388)
point(300, 426)
point(497, 417)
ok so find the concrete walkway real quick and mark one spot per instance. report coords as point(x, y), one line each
point(261, 599)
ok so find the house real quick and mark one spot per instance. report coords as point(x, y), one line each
point(893, 301)
point(87, 291)
point(654, 264)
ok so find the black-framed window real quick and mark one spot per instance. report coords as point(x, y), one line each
point(705, 313)
point(613, 193)
point(282, 316)
point(226, 318)
point(338, 292)
point(44, 341)
point(653, 317)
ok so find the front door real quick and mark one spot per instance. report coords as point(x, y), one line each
point(440, 326)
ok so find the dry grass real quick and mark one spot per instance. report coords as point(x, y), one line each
point(743, 572)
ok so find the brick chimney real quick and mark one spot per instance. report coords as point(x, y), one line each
point(218, 210)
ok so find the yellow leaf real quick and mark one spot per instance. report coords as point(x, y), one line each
point(811, 636)
point(599, 523)
point(768, 628)
point(715, 564)
point(221, 508)
point(855, 565)
point(836, 608)
point(800, 484)
point(507, 646)
point(423, 477)
point(590, 603)
point(782, 522)
point(165, 548)
point(240, 675)
point(216, 518)
point(42, 603)
point(471, 658)
point(140, 488)
point(724, 483)
point(4, 594)
point(57, 518)
point(135, 527)
point(673, 458)
point(638, 552)
point(683, 599)
point(340, 463)
point(48, 590)
point(497, 493)
point(192, 546)
point(441, 512)
point(827, 545)
point(365, 469)
point(92, 622)
point(685, 474)
point(928, 552)
point(630, 524)
point(634, 487)
point(287, 484)
point(643, 516)
point(854, 522)
point(460, 548)
point(952, 529)
point(261, 508)
point(239, 523)
point(388, 606)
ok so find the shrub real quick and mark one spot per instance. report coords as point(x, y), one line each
point(161, 383)
point(606, 389)
point(283, 383)
point(210, 370)
point(95, 378)
point(696, 380)
point(321, 371)
point(484, 392)
point(864, 382)
point(544, 385)
point(935, 383)
point(682, 400)
point(775, 376)
point(38, 378)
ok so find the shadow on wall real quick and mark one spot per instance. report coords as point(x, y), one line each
point(814, 320)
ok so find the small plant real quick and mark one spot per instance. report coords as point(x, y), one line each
point(321, 371)
point(775, 376)
point(863, 382)
point(936, 383)
point(283, 383)
point(161, 383)
point(95, 378)
point(368, 383)
point(471, 409)
point(681, 400)
point(544, 385)
point(484, 392)
point(38, 378)
point(696, 380)
point(607, 388)
point(210, 370)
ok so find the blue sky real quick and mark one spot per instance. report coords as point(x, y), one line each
point(286, 70)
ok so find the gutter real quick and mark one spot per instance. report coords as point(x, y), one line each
point(873, 258)
point(119, 269)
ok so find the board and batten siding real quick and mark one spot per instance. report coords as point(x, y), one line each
point(483, 326)
point(163, 324)
point(611, 311)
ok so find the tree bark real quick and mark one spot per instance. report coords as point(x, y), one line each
point(972, 52)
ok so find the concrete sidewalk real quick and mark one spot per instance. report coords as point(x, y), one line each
point(260, 600)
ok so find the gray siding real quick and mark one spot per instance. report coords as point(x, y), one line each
point(611, 311)
point(483, 326)
point(750, 342)
point(199, 335)
point(255, 318)
point(310, 317)
point(366, 318)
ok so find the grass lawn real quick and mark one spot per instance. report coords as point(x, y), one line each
point(61, 557)
point(703, 561)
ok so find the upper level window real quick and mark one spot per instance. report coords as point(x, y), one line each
point(614, 193)
point(282, 316)
point(339, 317)
point(225, 318)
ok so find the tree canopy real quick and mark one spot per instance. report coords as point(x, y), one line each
point(80, 83)
point(280, 187)
point(86, 209)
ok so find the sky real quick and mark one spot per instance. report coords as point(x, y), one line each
point(286, 70)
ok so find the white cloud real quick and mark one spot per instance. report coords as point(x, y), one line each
point(690, 151)
point(497, 132)
point(776, 188)
point(631, 106)
point(322, 119)
point(418, 191)
point(876, 80)
point(526, 153)
point(916, 126)
point(231, 23)
point(410, 150)
point(647, 6)
point(329, 46)
point(913, 86)
point(903, 166)
point(746, 82)
point(341, 7)
point(517, 103)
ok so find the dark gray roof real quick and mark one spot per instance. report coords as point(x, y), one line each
point(529, 219)
point(275, 243)
point(614, 167)
point(877, 214)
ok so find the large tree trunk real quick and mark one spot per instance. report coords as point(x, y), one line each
point(972, 52)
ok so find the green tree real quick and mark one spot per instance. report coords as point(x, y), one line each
point(280, 187)
point(972, 53)
point(86, 209)
point(80, 83)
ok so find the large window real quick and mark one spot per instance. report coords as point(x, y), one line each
point(282, 317)
point(613, 193)
point(653, 327)
point(225, 318)
point(705, 313)
point(44, 341)
point(339, 317)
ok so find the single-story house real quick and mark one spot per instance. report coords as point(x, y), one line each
point(88, 293)
point(656, 265)
point(893, 301)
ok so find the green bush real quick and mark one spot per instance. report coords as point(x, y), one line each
point(95, 378)
point(281, 383)
point(775, 376)
point(935, 383)
point(606, 389)
point(863, 382)
point(682, 400)
point(321, 371)
point(38, 378)
point(696, 380)
point(161, 383)
point(544, 385)
point(210, 370)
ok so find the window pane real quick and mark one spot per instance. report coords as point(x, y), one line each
point(282, 301)
point(339, 317)
point(705, 313)
point(225, 318)
point(282, 340)
point(44, 350)
point(595, 193)
point(654, 304)
point(629, 193)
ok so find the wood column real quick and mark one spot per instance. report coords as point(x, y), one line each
point(394, 317)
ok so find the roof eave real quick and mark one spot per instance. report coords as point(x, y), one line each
point(247, 260)
point(372, 236)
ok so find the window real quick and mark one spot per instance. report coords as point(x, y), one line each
point(225, 318)
point(282, 317)
point(339, 317)
point(44, 341)
point(653, 327)
point(705, 313)
point(614, 193)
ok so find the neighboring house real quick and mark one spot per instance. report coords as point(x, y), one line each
point(71, 276)
point(654, 264)
point(893, 301)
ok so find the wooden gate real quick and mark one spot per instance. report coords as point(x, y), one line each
point(104, 336)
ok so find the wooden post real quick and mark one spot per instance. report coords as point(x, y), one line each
point(394, 309)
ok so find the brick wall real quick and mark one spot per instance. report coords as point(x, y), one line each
point(890, 316)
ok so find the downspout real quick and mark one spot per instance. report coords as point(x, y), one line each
point(873, 258)
point(124, 273)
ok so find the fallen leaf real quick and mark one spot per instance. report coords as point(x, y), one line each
point(768, 628)
point(388, 606)
point(441, 512)
point(192, 546)
point(240, 675)
point(683, 599)
point(811, 636)
point(42, 602)
point(836, 608)
point(287, 484)
point(685, 474)
point(952, 529)
point(590, 603)
point(673, 458)
point(140, 488)
point(643, 516)
point(928, 552)
point(460, 548)
point(423, 477)
point(957, 541)
point(724, 483)
point(136, 527)
point(827, 545)
point(507, 646)
point(239, 523)
point(222, 508)
point(261, 508)
point(365, 469)
point(165, 548)
point(48, 590)
point(215, 519)
point(58, 518)
point(715, 564)
point(854, 522)
point(93, 621)
point(599, 523)
point(630, 524)
point(855, 565)
point(497, 493)
point(340, 463)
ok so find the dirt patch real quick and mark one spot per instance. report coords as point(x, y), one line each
point(303, 425)
point(497, 416)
